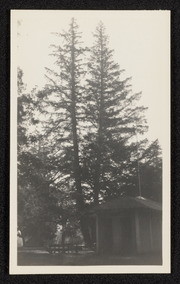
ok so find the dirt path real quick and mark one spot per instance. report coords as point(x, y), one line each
point(42, 257)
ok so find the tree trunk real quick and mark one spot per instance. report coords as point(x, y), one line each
point(77, 168)
point(99, 136)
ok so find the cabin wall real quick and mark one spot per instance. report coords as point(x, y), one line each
point(148, 231)
point(116, 233)
point(143, 235)
point(156, 223)
point(127, 233)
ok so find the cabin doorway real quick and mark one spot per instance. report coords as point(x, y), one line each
point(107, 235)
point(123, 241)
point(127, 236)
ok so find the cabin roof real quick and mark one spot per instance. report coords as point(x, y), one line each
point(128, 202)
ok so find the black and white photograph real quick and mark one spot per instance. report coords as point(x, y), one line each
point(90, 141)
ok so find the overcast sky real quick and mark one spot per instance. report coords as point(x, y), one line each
point(140, 40)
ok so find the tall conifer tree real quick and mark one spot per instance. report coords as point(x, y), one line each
point(65, 93)
point(111, 154)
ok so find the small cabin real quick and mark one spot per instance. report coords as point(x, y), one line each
point(127, 226)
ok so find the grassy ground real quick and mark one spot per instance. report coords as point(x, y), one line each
point(42, 257)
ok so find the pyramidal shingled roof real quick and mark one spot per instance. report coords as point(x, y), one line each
point(127, 202)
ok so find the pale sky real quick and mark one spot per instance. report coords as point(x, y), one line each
point(140, 40)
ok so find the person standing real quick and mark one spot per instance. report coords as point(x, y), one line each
point(19, 239)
